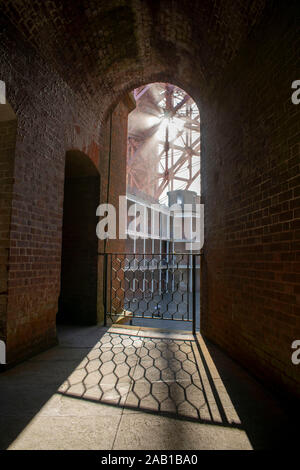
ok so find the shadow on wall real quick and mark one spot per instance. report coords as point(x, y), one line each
point(78, 295)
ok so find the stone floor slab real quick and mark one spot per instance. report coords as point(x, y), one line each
point(148, 432)
point(68, 433)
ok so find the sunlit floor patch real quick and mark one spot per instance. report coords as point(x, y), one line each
point(153, 374)
point(135, 388)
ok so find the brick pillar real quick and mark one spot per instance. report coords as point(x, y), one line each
point(113, 158)
point(8, 127)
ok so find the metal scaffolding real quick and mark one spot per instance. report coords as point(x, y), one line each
point(164, 153)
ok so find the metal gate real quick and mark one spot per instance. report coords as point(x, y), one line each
point(161, 286)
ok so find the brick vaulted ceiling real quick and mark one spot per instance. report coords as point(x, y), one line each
point(101, 48)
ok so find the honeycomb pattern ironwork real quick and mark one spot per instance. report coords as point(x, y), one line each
point(160, 375)
point(151, 286)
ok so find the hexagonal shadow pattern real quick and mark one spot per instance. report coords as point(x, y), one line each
point(167, 379)
point(159, 375)
point(106, 373)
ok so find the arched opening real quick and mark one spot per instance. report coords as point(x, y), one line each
point(8, 129)
point(78, 295)
point(155, 280)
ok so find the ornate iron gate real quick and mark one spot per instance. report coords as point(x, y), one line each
point(164, 286)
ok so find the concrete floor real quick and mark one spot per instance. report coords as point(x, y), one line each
point(135, 388)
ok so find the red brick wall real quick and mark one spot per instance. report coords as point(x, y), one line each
point(51, 120)
point(113, 147)
point(37, 212)
point(8, 125)
point(118, 153)
point(251, 189)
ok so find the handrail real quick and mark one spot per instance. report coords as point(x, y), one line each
point(148, 254)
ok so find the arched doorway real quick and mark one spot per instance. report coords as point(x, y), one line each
point(161, 265)
point(78, 295)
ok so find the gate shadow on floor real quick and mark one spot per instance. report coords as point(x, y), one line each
point(155, 375)
point(176, 378)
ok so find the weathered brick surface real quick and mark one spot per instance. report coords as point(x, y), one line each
point(51, 120)
point(8, 126)
point(250, 177)
point(117, 152)
point(102, 49)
